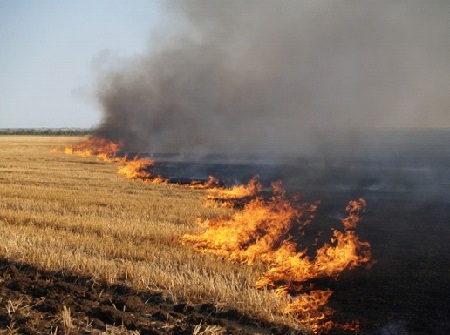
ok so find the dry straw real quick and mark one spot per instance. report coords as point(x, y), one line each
point(75, 214)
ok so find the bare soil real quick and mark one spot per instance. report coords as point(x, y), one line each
point(33, 301)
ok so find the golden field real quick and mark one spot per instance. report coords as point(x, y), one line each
point(76, 215)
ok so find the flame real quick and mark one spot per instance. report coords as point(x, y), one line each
point(352, 326)
point(95, 146)
point(136, 168)
point(344, 252)
point(267, 231)
point(313, 309)
point(270, 231)
point(156, 180)
point(255, 232)
point(228, 197)
point(211, 183)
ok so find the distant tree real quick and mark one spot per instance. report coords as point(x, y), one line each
point(46, 131)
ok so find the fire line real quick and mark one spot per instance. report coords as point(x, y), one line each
point(267, 231)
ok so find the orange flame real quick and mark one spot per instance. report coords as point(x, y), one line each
point(345, 252)
point(211, 183)
point(94, 146)
point(269, 231)
point(156, 180)
point(313, 310)
point(255, 232)
point(228, 197)
point(136, 168)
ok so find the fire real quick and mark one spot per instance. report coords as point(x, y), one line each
point(313, 310)
point(344, 252)
point(256, 231)
point(211, 183)
point(227, 197)
point(156, 180)
point(95, 146)
point(136, 168)
point(270, 231)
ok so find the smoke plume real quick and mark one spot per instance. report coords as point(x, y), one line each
point(260, 76)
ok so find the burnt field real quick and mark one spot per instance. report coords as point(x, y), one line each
point(406, 182)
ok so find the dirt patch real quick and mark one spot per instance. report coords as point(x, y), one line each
point(41, 302)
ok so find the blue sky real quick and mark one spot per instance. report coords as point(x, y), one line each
point(50, 53)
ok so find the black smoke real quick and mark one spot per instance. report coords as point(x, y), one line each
point(265, 76)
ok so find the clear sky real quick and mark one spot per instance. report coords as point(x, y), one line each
point(49, 55)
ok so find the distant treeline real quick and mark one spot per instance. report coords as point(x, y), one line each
point(48, 132)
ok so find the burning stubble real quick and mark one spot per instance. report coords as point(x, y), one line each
point(258, 76)
point(263, 231)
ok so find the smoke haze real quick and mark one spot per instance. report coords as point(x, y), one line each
point(261, 76)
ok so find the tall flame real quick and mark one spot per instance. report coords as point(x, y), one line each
point(344, 252)
point(270, 231)
point(256, 231)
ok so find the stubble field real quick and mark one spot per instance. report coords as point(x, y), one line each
point(65, 216)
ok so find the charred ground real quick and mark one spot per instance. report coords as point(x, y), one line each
point(405, 181)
